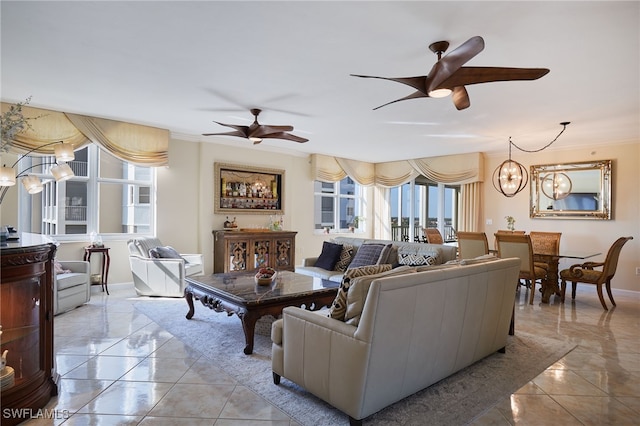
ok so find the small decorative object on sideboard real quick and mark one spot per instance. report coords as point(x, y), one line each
point(265, 276)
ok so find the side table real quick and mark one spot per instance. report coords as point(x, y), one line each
point(106, 260)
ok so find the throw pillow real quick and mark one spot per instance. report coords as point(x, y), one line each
point(345, 258)
point(59, 269)
point(167, 252)
point(367, 254)
point(329, 256)
point(410, 259)
point(339, 305)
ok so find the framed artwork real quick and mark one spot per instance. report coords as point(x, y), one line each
point(248, 189)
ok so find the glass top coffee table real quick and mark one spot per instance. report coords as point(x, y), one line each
point(237, 293)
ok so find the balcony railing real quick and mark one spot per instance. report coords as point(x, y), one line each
point(401, 233)
point(75, 213)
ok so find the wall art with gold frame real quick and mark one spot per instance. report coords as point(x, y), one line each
point(248, 189)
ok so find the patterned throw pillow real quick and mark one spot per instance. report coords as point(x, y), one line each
point(167, 252)
point(370, 254)
point(410, 259)
point(345, 258)
point(339, 305)
point(329, 256)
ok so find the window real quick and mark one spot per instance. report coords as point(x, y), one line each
point(106, 196)
point(337, 204)
point(424, 204)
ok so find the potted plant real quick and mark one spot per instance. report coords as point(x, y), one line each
point(355, 223)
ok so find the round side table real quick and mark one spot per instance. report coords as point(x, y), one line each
point(106, 260)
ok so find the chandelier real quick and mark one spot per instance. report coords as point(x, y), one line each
point(511, 177)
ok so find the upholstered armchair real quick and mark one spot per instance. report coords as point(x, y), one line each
point(159, 270)
point(71, 285)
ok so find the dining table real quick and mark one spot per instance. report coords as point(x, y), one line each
point(551, 286)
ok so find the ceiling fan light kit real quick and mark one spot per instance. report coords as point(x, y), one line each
point(449, 75)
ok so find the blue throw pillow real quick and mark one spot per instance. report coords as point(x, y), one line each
point(368, 254)
point(329, 256)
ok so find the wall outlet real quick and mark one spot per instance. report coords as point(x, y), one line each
point(489, 221)
point(637, 270)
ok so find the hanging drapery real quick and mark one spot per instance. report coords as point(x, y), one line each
point(381, 213)
point(451, 169)
point(394, 173)
point(47, 126)
point(143, 145)
point(359, 171)
point(326, 169)
point(472, 207)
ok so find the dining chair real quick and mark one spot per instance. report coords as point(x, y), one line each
point(519, 245)
point(505, 231)
point(545, 246)
point(585, 273)
point(433, 236)
point(472, 244)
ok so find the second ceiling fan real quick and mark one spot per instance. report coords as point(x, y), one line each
point(448, 76)
point(256, 131)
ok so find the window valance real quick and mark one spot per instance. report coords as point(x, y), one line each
point(142, 145)
point(450, 169)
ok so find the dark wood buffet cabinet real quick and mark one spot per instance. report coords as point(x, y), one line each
point(29, 379)
point(248, 250)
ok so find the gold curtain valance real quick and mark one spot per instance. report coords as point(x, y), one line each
point(142, 145)
point(450, 169)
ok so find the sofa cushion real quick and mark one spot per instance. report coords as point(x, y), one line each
point(417, 259)
point(359, 288)
point(369, 254)
point(339, 305)
point(346, 255)
point(329, 256)
point(167, 252)
point(70, 279)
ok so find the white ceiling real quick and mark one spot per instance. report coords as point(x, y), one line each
point(181, 65)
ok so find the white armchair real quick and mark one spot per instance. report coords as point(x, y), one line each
point(163, 276)
point(71, 285)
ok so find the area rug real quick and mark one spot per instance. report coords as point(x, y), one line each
point(455, 400)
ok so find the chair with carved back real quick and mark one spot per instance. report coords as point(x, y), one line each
point(472, 244)
point(546, 248)
point(519, 245)
point(433, 236)
point(586, 273)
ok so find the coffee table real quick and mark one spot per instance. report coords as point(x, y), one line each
point(237, 293)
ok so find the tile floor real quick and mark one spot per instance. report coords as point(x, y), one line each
point(118, 367)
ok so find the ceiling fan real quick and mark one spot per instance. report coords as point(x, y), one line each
point(256, 132)
point(449, 76)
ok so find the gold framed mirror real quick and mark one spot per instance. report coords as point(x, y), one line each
point(571, 191)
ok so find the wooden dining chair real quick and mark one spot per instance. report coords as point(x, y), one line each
point(472, 244)
point(585, 273)
point(433, 236)
point(505, 231)
point(519, 245)
point(546, 245)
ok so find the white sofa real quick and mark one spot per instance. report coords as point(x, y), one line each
point(160, 276)
point(71, 289)
point(442, 252)
point(415, 329)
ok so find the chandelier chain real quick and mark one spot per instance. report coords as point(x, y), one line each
point(564, 126)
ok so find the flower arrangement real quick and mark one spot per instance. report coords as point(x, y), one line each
point(13, 122)
point(511, 223)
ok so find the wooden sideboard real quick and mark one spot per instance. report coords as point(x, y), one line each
point(250, 250)
point(26, 316)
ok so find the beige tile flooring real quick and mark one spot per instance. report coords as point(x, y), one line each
point(120, 368)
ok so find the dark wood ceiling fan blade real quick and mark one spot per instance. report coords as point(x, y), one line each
point(237, 133)
point(418, 83)
point(264, 130)
point(240, 128)
point(460, 98)
point(474, 75)
point(286, 136)
point(451, 63)
point(414, 95)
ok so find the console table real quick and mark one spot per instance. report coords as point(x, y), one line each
point(26, 316)
point(248, 250)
